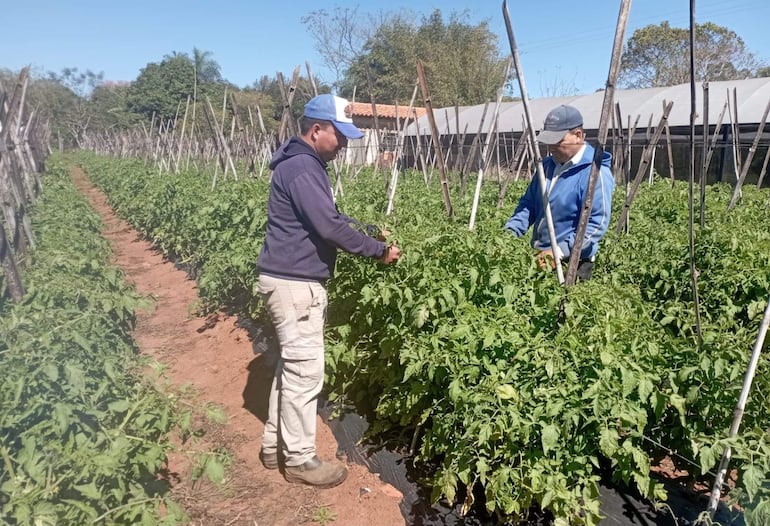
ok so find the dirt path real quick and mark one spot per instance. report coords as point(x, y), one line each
point(214, 356)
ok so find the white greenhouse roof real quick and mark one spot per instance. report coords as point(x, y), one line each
point(753, 96)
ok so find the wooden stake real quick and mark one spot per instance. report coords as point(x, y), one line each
point(436, 138)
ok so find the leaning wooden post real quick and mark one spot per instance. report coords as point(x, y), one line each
point(287, 121)
point(714, 139)
point(747, 162)
point(609, 93)
point(668, 150)
point(643, 164)
point(436, 138)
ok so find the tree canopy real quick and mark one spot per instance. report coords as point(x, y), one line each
point(462, 61)
point(658, 55)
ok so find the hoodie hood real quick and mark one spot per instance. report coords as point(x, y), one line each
point(292, 147)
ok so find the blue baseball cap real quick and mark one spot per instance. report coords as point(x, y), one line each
point(335, 109)
point(558, 122)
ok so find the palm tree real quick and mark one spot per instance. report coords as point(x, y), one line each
point(207, 69)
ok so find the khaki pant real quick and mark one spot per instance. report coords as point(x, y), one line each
point(298, 311)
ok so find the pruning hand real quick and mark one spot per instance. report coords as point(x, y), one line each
point(545, 259)
point(391, 254)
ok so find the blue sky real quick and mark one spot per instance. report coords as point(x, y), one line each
point(561, 43)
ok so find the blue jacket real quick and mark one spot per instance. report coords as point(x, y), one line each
point(304, 227)
point(566, 200)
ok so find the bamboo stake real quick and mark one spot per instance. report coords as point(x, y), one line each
point(182, 137)
point(487, 141)
point(739, 408)
point(518, 158)
point(620, 157)
point(310, 78)
point(669, 150)
point(373, 102)
point(397, 155)
point(538, 159)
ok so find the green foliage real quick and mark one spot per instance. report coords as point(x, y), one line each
point(658, 55)
point(511, 382)
point(82, 435)
point(462, 61)
point(217, 233)
point(160, 87)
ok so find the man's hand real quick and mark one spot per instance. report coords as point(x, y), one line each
point(383, 235)
point(391, 254)
point(545, 259)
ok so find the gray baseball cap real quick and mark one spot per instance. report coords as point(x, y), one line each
point(558, 122)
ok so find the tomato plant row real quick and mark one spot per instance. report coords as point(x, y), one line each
point(82, 433)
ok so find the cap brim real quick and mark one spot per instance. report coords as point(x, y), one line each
point(551, 137)
point(348, 130)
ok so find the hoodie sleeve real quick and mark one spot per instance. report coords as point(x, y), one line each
point(315, 205)
point(599, 221)
point(526, 211)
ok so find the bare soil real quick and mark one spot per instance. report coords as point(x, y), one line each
point(213, 359)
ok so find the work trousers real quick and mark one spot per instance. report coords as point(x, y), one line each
point(298, 311)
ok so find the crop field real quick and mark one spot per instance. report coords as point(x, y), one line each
point(507, 382)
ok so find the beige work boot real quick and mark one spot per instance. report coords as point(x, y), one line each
point(269, 460)
point(317, 473)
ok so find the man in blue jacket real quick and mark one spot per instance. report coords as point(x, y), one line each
point(304, 231)
point(567, 170)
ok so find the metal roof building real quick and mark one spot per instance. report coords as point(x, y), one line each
point(640, 110)
point(752, 96)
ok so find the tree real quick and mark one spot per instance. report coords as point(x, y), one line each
point(207, 70)
point(462, 61)
point(658, 55)
point(110, 109)
point(340, 36)
point(161, 87)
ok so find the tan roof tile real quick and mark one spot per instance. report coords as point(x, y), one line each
point(364, 109)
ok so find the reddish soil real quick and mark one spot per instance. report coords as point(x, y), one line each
point(212, 360)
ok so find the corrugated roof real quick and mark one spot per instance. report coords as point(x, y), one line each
point(364, 109)
point(752, 94)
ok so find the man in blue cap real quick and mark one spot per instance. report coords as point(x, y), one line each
point(304, 231)
point(567, 171)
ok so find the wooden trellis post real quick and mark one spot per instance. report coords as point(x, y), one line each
point(436, 138)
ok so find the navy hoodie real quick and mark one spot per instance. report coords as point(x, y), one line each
point(304, 227)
